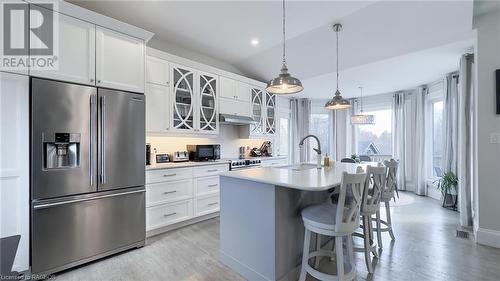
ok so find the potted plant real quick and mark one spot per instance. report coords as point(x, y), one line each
point(447, 184)
point(355, 157)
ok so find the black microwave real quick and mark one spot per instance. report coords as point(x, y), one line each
point(203, 152)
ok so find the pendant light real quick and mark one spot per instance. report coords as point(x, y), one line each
point(337, 102)
point(284, 83)
point(362, 119)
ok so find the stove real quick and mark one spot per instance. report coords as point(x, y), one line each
point(244, 164)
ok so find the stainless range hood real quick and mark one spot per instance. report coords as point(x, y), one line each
point(230, 119)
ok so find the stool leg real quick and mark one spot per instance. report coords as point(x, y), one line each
point(305, 254)
point(318, 247)
point(389, 221)
point(372, 238)
point(367, 244)
point(379, 233)
point(340, 257)
point(350, 251)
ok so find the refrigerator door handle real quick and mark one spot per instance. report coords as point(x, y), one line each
point(103, 139)
point(91, 143)
point(48, 205)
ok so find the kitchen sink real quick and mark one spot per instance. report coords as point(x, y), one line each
point(299, 167)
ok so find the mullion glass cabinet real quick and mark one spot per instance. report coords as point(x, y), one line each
point(208, 106)
point(257, 112)
point(194, 101)
point(270, 125)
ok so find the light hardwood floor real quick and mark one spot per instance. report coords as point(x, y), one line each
point(425, 249)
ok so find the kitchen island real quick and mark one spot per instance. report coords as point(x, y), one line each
point(261, 230)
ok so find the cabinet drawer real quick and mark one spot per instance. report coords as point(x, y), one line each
point(162, 215)
point(276, 162)
point(206, 185)
point(234, 107)
point(164, 192)
point(154, 176)
point(210, 170)
point(206, 205)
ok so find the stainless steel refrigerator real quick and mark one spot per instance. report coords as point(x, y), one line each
point(87, 173)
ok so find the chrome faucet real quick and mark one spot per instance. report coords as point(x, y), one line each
point(318, 150)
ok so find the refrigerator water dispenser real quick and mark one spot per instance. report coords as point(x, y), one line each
point(61, 150)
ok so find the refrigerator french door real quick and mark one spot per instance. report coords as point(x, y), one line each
point(87, 173)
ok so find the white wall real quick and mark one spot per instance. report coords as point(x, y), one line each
point(487, 156)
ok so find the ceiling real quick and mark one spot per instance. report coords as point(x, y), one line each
point(384, 46)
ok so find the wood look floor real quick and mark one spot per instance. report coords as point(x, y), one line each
point(425, 249)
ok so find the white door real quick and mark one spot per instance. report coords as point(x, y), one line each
point(208, 104)
point(14, 164)
point(76, 53)
point(183, 97)
point(157, 71)
point(227, 88)
point(257, 111)
point(270, 126)
point(119, 61)
point(157, 109)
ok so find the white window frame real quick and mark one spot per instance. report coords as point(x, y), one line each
point(435, 94)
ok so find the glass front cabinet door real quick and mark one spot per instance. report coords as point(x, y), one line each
point(270, 113)
point(208, 105)
point(182, 82)
point(257, 113)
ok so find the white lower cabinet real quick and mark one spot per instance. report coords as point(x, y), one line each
point(163, 215)
point(206, 204)
point(274, 162)
point(179, 194)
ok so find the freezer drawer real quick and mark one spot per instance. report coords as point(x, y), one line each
point(68, 233)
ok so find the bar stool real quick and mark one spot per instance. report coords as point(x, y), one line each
point(386, 196)
point(338, 220)
point(370, 204)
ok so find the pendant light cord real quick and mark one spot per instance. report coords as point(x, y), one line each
point(361, 103)
point(337, 35)
point(284, 38)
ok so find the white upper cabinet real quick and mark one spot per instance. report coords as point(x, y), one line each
point(242, 91)
point(183, 96)
point(157, 108)
point(232, 89)
point(157, 71)
point(208, 106)
point(76, 53)
point(119, 61)
point(257, 111)
point(270, 125)
point(232, 107)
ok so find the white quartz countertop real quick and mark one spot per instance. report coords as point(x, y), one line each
point(307, 180)
point(172, 165)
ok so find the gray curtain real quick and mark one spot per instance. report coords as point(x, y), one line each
point(450, 124)
point(344, 134)
point(399, 136)
point(465, 135)
point(301, 114)
point(419, 160)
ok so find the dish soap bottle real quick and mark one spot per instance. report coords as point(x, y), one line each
point(326, 161)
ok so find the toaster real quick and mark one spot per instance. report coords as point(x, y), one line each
point(180, 156)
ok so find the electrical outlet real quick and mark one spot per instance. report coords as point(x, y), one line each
point(495, 138)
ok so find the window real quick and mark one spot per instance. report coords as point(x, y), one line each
point(437, 137)
point(376, 139)
point(284, 136)
point(319, 125)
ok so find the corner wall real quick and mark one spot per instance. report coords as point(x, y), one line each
point(487, 156)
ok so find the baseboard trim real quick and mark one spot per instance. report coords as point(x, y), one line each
point(488, 237)
point(245, 271)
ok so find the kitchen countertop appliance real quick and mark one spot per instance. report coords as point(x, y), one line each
point(180, 156)
point(87, 174)
point(203, 152)
point(244, 164)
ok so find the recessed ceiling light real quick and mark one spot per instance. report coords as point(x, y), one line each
point(255, 42)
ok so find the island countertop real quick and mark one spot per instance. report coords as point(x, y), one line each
point(308, 180)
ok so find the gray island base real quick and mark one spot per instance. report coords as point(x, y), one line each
point(261, 230)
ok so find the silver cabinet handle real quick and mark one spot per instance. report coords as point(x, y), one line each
point(169, 175)
point(103, 139)
point(169, 215)
point(91, 80)
point(212, 170)
point(170, 192)
point(98, 81)
point(211, 204)
point(91, 136)
point(213, 185)
point(48, 205)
